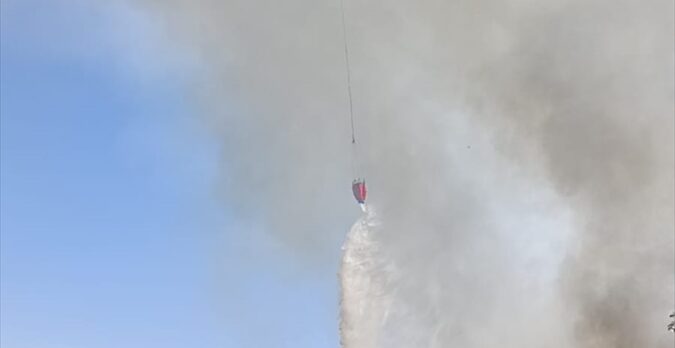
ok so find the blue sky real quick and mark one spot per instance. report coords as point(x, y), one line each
point(111, 235)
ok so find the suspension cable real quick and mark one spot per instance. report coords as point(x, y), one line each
point(349, 75)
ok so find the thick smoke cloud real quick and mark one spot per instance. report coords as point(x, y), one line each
point(520, 154)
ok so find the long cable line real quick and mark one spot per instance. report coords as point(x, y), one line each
point(349, 75)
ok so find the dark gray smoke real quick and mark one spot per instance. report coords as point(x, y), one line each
point(520, 154)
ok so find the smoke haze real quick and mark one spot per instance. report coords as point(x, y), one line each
point(520, 154)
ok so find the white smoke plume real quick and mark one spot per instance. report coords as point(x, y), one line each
point(520, 154)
